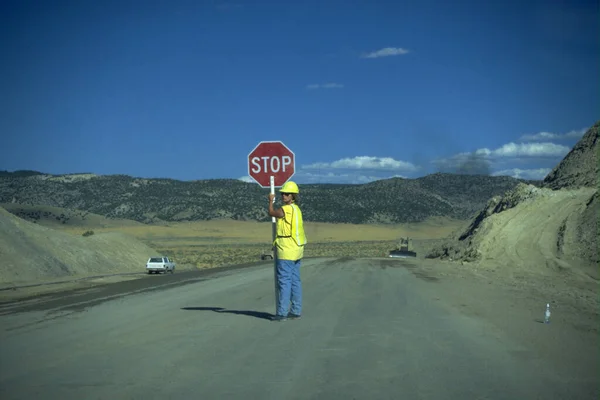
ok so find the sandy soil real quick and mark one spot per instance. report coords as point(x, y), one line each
point(576, 301)
point(33, 253)
point(538, 242)
point(533, 230)
point(540, 235)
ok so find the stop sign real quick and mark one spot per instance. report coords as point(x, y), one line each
point(271, 159)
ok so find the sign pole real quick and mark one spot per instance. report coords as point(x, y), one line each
point(274, 236)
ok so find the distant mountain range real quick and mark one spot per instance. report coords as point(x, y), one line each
point(393, 200)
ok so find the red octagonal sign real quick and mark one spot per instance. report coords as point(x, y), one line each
point(271, 159)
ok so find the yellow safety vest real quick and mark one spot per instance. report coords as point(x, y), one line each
point(291, 225)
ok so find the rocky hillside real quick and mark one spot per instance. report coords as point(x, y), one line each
point(151, 200)
point(555, 226)
point(580, 166)
point(548, 228)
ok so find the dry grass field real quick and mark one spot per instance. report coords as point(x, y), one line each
point(208, 244)
point(50, 245)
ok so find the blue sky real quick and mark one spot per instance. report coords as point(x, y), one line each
point(359, 90)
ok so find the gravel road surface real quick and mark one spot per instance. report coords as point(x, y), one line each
point(371, 329)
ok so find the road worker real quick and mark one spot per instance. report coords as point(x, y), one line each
point(289, 245)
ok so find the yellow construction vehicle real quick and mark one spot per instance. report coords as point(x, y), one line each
point(405, 249)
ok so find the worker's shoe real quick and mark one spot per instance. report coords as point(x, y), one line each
point(293, 316)
point(279, 318)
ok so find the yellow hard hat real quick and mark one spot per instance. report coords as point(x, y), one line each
point(289, 187)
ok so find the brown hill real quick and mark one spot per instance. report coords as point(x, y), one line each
point(533, 228)
point(539, 231)
point(580, 166)
point(33, 253)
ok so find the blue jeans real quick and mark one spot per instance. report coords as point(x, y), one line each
point(289, 287)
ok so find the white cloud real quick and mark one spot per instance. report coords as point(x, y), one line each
point(314, 86)
point(386, 52)
point(483, 161)
point(541, 136)
point(536, 174)
point(246, 179)
point(355, 170)
point(525, 150)
point(366, 162)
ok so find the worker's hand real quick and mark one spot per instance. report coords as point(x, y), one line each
point(271, 197)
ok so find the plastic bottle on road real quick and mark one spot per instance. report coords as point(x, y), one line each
point(547, 315)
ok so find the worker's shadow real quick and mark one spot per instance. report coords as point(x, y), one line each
point(255, 314)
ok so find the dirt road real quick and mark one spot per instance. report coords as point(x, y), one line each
point(371, 329)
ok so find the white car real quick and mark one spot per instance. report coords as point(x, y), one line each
point(160, 264)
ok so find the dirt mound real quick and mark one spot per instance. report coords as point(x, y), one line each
point(579, 168)
point(31, 253)
point(541, 230)
point(545, 230)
